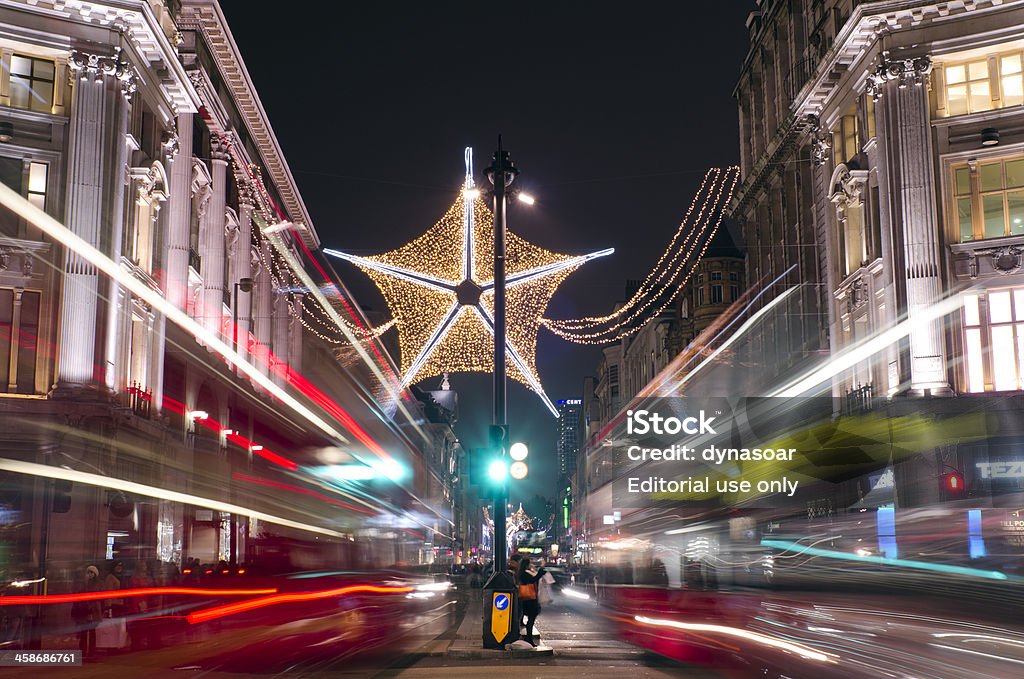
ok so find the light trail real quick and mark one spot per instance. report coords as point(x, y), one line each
point(883, 561)
point(215, 612)
point(60, 233)
point(851, 357)
point(86, 478)
point(47, 599)
point(758, 637)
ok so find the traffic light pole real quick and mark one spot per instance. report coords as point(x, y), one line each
point(501, 600)
point(500, 174)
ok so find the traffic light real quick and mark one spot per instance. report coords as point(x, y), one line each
point(518, 452)
point(952, 485)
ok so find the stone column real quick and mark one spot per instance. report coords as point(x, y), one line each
point(263, 317)
point(88, 146)
point(115, 300)
point(282, 356)
point(179, 214)
point(909, 164)
point(212, 238)
point(295, 340)
point(241, 265)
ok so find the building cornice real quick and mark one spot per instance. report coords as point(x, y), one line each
point(135, 20)
point(206, 18)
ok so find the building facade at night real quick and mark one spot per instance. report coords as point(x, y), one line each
point(135, 124)
point(569, 411)
point(880, 147)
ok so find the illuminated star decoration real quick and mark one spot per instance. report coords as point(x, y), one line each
point(440, 291)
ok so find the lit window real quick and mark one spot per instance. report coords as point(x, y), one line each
point(988, 199)
point(994, 340)
point(19, 339)
point(844, 138)
point(1010, 80)
point(982, 84)
point(37, 173)
point(32, 83)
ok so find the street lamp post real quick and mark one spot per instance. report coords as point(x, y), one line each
point(245, 285)
point(501, 173)
point(501, 618)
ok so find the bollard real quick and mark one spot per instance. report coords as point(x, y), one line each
point(501, 611)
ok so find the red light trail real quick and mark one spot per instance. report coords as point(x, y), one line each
point(252, 604)
point(126, 593)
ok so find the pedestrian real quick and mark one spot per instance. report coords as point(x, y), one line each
point(87, 614)
point(115, 581)
point(528, 602)
point(141, 631)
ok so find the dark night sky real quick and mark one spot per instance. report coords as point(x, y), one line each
point(612, 112)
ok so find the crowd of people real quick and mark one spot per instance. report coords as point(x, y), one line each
point(120, 621)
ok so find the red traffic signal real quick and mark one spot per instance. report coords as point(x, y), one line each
point(953, 483)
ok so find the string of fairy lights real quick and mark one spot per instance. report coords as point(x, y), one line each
point(442, 307)
point(304, 308)
point(671, 275)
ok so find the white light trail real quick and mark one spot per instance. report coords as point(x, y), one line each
point(333, 314)
point(88, 479)
point(758, 637)
point(60, 233)
point(735, 336)
point(574, 594)
point(851, 357)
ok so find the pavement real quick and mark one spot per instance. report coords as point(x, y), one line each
point(445, 642)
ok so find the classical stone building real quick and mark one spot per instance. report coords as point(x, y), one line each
point(135, 125)
point(880, 146)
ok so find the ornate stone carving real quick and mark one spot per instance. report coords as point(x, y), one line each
point(847, 187)
point(857, 295)
point(85, 65)
point(231, 228)
point(5, 258)
point(201, 186)
point(905, 72)
point(1006, 260)
point(821, 141)
point(169, 142)
point(27, 264)
point(220, 146)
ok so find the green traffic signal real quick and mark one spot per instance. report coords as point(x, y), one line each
point(498, 470)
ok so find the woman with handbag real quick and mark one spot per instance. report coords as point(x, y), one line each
point(528, 602)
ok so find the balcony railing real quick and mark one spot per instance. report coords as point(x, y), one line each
point(140, 400)
point(859, 400)
point(798, 77)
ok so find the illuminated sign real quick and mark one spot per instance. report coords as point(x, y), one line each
point(1001, 470)
point(571, 401)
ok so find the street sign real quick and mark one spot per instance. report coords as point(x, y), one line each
point(501, 616)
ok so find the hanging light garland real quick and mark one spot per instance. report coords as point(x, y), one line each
point(670, 275)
